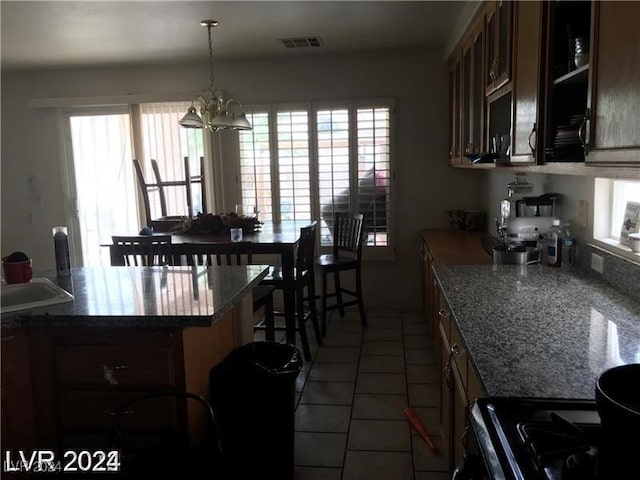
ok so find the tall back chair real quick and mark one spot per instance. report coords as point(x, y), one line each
point(140, 250)
point(304, 280)
point(348, 233)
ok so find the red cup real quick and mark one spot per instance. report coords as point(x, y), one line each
point(17, 272)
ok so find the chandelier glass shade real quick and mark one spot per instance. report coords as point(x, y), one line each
point(213, 110)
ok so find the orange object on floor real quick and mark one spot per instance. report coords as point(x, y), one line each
point(422, 430)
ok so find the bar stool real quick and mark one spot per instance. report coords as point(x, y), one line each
point(348, 235)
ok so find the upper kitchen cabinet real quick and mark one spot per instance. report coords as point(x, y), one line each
point(567, 63)
point(526, 81)
point(455, 137)
point(499, 22)
point(473, 98)
point(612, 128)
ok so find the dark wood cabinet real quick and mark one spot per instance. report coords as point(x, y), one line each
point(526, 82)
point(613, 109)
point(473, 98)
point(499, 22)
point(455, 139)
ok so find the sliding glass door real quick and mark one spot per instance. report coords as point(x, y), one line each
point(100, 181)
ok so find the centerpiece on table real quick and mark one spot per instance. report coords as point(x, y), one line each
point(218, 223)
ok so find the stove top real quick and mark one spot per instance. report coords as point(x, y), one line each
point(533, 439)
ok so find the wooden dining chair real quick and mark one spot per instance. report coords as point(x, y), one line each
point(348, 234)
point(140, 250)
point(304, 278)
point(237, 253)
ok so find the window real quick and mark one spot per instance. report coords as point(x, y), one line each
point(611, 199)
point(322, 159)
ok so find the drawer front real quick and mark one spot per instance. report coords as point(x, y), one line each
point(459, 354)
point(95, 410)
point(15, 357)
point(115, 365)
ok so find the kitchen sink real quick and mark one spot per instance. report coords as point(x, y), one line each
point(39, 292)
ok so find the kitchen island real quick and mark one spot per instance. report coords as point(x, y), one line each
point(128, 332)
point(539, 331)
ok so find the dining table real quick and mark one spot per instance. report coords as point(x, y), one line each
point(270, 238)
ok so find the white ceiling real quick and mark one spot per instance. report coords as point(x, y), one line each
point(53, 34)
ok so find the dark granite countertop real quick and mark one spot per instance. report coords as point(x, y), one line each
point(143, 297)
point(539, 331)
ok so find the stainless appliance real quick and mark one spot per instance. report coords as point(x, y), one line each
point(516, 190)
point(533, 439)
point(521, 240)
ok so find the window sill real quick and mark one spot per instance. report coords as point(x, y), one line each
point(614, 246)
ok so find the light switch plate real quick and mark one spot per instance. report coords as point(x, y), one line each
point(583, 214)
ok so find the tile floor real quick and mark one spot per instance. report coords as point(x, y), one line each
point(351, 397)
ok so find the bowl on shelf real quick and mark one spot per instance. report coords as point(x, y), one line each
point(468, 220)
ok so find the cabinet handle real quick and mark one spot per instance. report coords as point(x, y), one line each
point(455, 350)
point(533, 131)
point(582, 131)
point(442, 313)
point(108, 371)
point(435, 283)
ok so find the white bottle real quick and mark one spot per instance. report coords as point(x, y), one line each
point(554, 244)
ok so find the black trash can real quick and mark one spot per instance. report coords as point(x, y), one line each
point(253, 398)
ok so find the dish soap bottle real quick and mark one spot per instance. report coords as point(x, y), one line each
point(554, 244)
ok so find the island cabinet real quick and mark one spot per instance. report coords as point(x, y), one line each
point(18, 425)
point(85, 376)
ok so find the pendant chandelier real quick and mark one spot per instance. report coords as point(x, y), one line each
point(212, 110)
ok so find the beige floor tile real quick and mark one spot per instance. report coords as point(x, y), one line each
point(420, 356)
point(380, 435)
point(322, 418)
point(328, 393)
point(423, 374)
point(340, 327)
point(333, 372)
point(425, 460)
point(416, 328)
point(338, 355)
point(379, 407)
point(316, 473)
point(378, 347)
point(301, 379)
point(381, 364)
point(319, 449)
point(424, 395)
point(342, 340)
point(377, 466)
point(383, 321)
point(387, 334)
point(418, 341)
point(414, 317)
point(394, 383)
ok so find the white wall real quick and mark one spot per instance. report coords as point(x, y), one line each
point(425, 186)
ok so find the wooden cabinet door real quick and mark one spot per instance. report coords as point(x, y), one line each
point(614, 130)
point(446, 392)
point(526, 82)
point(459, 424)
point(455, 86)
point(499, 22)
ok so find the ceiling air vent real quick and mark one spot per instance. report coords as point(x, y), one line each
point(301, 42)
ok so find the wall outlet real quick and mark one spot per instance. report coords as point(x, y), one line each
point(597, 263)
